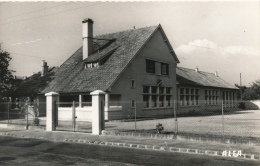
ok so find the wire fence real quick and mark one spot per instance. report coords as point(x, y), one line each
point(223, 119)
point(21, 113)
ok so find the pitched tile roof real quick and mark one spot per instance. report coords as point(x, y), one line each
point(35, 83)
point(119, 49)
point(191, 77)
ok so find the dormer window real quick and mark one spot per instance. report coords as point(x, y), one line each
point(91, 65)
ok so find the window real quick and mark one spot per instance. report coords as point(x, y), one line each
point(146, 101)
point(133, 84)
point(66, 100)
point(187, 91)
point(211, 97)
point(182, 100)
point(164, 69)
point(91, 65)
point(133, 103)
point(161, 90)
point(168, 90)
point(168, 101)
point(154, 100)
point(146, 89)
point(150, 66)
point(161, 101)
point(154, 89)
point(228, 98)
point(153, 67)
point(182, 91)
point(115, 100)
point(189, 97)
point(192, 100)
point(86, 100)
point(187, 100)
point(157, 97)
point(197, 100)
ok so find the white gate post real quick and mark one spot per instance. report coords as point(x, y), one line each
point(98, 122)
point(106, 105)
point(51, 100)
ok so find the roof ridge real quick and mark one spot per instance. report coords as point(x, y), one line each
point(194, 70)
point(126, 30)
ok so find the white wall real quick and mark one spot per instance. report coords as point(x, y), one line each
point(85, 113)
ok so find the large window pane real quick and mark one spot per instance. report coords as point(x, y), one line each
point(146, 101)
point(150, 66)
point(161, 101)
point(164, 69)
point(154, 89)
point(168, 90)
point(154, 100)
point(145, 89)
point(168, 101)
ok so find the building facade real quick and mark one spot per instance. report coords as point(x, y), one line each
point(202, 91)
point(137, 69)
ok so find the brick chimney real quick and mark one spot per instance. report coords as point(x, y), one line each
point(45, 68)
point(87, 37)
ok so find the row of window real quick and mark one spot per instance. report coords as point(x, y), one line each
point(228, 97)
point(154, 96)
point(151, 67)
point(211, 97)
point(189, 96)
point(189, 91)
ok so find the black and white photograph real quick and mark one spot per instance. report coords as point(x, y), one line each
point(130, 83)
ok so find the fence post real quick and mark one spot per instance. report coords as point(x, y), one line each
point(135, 118)
point(8, 111)
point(175, 117)
point(222, 118)
point(51, 99)
point(56, 114)
point(27, 114)
point(73, 116)
point(98, 122)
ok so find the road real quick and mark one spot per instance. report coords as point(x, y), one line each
point(31, 152)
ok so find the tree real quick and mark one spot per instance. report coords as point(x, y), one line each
point(242, 90)
point(6, 76)
point(250, 93)
point(253, 92)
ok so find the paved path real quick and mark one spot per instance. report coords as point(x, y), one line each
point(172, 145)
point(31, 152)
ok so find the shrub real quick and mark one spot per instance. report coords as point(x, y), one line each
point(159, 128)
point(242, 105)
point(36, 121)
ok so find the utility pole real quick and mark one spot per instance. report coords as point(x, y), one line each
point(241, 98)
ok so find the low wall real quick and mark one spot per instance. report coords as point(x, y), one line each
point(85, 113)
point(252, 104)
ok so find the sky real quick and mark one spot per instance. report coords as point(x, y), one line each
point(213, 36)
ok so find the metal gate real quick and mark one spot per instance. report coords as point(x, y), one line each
point(73, 116)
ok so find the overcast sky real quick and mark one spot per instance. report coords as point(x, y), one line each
point(213, 36)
